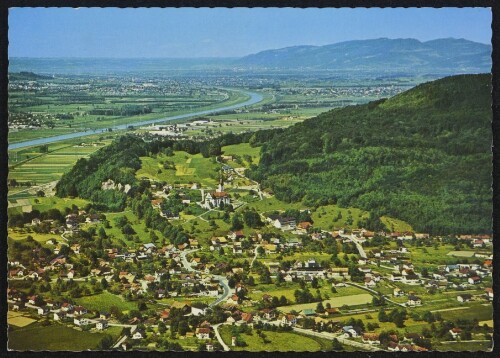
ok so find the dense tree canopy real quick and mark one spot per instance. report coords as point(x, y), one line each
point(423, 156)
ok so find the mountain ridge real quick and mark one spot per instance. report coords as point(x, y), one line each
point(380, 53)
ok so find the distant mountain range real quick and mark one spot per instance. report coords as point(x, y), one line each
point(456, 55)
point(444, 56)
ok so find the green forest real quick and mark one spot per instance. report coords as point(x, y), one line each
point(423, 156)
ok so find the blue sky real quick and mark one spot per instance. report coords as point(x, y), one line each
point(190, 32)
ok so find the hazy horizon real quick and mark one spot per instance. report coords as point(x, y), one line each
point(179, 33)
point(232, 57)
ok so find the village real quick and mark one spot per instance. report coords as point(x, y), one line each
point(272, 271)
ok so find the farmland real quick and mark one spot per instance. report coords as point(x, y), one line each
point(281, 342)
point(36, 337)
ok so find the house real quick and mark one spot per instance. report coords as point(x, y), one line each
point(32, 299)
point(233, 300)
point(308, 312)
point(79, 310)
point(304, 225)
point(185, 307)
point(104, 315)
point(465, 297)
point(397, 292)
point(164, 315)
point(371, 338)
point(102, 324)
point(270, 248)
point(411, 336)
point(289, 320)
point(139, 334)
point(247, 317)
point(268, 313)
point(413, 301)
point(199, 309)
point(80, 321)
point(339, 271)
point(284, 224)
point(43, 310)
point(455, 332)
point(331, 311)
point(202, 333)
point(237, 249)
point(59, 316)
point(474, 280)
point(369, 282)
point(489, 292)
point(349, 331)
point(65, 307)
point(18, 306)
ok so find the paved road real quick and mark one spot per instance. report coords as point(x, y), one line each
point(375, 293)
point(224, 283)
point(256, 254)
point(219, 338)
point(222, 280)
point(361, 251)
point(330, 336)
point(254, 98)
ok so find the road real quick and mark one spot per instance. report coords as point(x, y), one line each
point(361, 251)
point(219, 338)
point(254, 98)
point(330, 336)
point(375, 293)
point(222, 280)
point(256, 254)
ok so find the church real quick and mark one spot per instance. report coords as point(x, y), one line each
point(215, 198)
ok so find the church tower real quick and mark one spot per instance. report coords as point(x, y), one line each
point(220, 188)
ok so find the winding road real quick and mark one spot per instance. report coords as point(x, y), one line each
point(222, 280)
point(254, 98)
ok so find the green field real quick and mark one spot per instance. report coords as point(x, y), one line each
point(349, 300)
point(44, 168)
point(242, 150)
point(104, 301)
point(279, 341)
point(188, 169)
point(55, 337)
point(464, 346)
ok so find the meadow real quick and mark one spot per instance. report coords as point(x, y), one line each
point(277, 341)
point(36, 337)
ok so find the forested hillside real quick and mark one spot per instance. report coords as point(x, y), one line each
point(423, 156)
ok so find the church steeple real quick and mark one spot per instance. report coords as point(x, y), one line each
point(220, 188)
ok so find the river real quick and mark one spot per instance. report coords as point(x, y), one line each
point(254, 98)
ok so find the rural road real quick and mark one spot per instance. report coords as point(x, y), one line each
point(254, 98)
point(256, 254)
point(222, 280)
point(362, 252)
point(219, 338)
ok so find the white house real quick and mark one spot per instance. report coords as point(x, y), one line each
point(80, 321)
point(203, 333)
point(101, 324)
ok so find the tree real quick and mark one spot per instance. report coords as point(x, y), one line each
point(236, 223)
point(336, 345)
point(320, 308)
point(183, 328)
point(252, 219)
point(382, 316)
point(106, 342)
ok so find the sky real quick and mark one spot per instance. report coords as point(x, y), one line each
point(220, 32)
